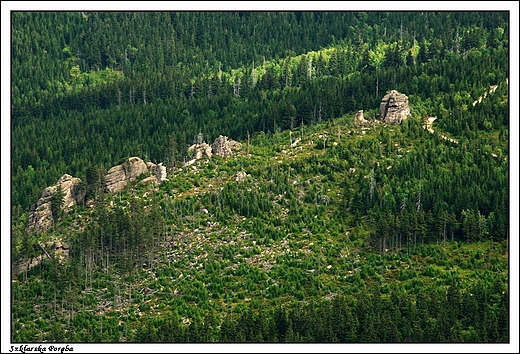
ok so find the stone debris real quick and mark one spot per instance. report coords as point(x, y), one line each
point(241, 176)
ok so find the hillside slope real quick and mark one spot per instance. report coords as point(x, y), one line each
point(322, 223)
point(273, 225)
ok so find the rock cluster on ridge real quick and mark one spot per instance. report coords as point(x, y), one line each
point(222, 146)
point(116, 180)
point(41, 219)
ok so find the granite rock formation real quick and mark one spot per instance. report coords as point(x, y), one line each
point(200, 150)
point(118, 176)
point(41, 217)
point(359, 119)
point(394, 107)
point(224, 147)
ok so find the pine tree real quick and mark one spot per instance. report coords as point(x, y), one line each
point(57, 202)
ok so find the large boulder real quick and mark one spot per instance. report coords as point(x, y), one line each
point(158, 171)
point(41, 217)
point(394, 107)
point(118, 176)
point(200, 150)
point(224, 147)
point(359, 119)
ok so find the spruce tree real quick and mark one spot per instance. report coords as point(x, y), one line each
point(57, 202)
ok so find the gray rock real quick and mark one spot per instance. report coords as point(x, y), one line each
point(241, 176)
point(158, 171)
point(224, 147)
point(59, 248)
point(394, 107)
point(41, 218)
point(150, 179)
point(119, 176)
point(200, 150)
point(359, 119)
point(116, 179)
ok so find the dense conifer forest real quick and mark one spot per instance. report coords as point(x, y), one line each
point(318, 229)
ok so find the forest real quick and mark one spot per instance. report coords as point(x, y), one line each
point(338, 232)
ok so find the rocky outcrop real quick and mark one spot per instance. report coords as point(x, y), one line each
point(234, 145)
point(224, 147)
point(23, 265)
point(41, 217)
point(359, 119)
point(200, 150)
point(119, 176)
point(59, 248)
point(116, 179)
point(394, 107)
point(158, 171)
